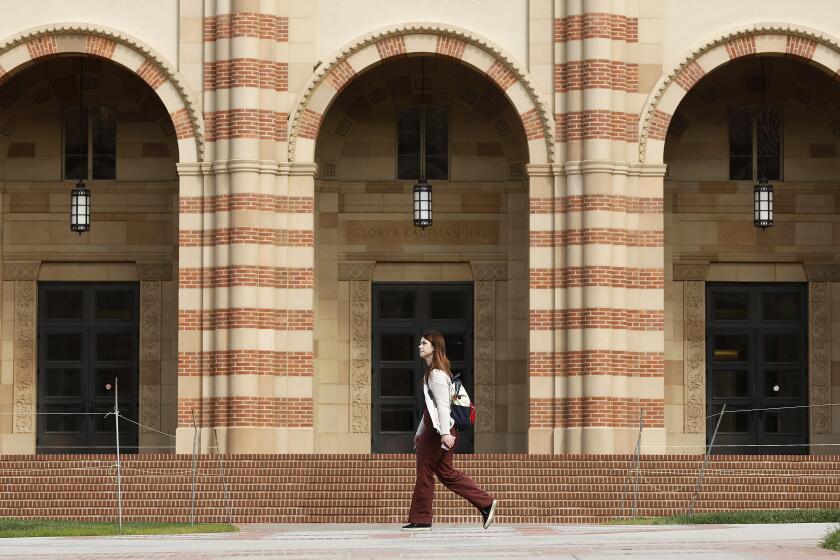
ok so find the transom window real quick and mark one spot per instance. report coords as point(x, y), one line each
point(90, 143)
point(755, 143)
point(423, 143)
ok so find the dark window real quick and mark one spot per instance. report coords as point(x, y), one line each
point(731, 306)
point(422, 143)
point(90, 143)
point(755, 143)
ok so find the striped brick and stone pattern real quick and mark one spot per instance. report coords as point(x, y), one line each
point(246, 84)
point(596, 277)
point(246, 287)
point(246, 242)
point(315, 488)
point(596, 83)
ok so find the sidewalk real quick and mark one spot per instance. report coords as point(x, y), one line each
point(568, 542)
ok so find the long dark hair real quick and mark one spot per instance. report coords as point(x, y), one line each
point(439, 359)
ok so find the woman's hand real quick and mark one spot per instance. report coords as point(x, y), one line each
point(448, 440)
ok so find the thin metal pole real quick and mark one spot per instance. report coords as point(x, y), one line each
point(119, 471)
point(636, 465)
point(705, 463)
point(194, 458)
point(228, 509)
point(638, 462)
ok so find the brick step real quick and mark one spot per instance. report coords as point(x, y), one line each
point(232, 462)
point(377, 489)
point(766, 491)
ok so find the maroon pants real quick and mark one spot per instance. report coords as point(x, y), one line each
point(432, 460)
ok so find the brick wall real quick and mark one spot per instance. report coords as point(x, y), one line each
point(348, 488)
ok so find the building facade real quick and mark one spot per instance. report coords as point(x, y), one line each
point(253, 280)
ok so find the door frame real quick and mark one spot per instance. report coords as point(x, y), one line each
point(466, 442)
point(88, 399)
point(757, 329)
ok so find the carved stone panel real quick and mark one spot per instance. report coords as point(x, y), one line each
point(20, 271)
point(819, 355)
point(485, 357)
point(150, 343)
point(360, 359)
point(822, 272)
point(690, 271)
point(489, 270)
point(24, 357)
point(355, 270)
point(154, 271)
point(694, 356)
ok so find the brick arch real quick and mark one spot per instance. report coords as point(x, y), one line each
point(810, 45)
point(433, 39)
point(26, 47)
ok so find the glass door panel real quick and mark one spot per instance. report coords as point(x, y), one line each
point(87, 338)
point(402, 312)
point(757, 365)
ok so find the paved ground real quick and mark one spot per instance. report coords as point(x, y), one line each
point(580, 542)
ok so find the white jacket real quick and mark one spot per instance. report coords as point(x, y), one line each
point(438, 402)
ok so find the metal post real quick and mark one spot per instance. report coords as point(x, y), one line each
point(705, 462)
point(194, 458)
point(119, 473)
point(636, 467)
point(221, 462)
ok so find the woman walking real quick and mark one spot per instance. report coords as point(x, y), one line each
point(435, 442)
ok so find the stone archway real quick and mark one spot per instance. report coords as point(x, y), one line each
point(434, 39)
point(30, 45)
point(674, 94)
point(26, 52)
point(804, 43)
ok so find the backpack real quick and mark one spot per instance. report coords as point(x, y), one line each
point(462, 409)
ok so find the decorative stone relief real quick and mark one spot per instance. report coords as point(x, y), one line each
point(690, 271)
point(819, 355)
point(21, 271)
point(360, 382)
point(822, 272)
point(150, 335)
point(24, 357)
point(485, 354)
point(489, 271)
point(355, 270)
point(694, 357)
point(154, 271)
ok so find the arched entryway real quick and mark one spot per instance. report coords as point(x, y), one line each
point(750, 308)
point(69, 300)
point(369, 256)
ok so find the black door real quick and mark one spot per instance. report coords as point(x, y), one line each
point(87, 338)
point(401, 312)
point(757, 357)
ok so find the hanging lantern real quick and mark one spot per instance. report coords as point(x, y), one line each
point(763, 204)
point(80, 208)
point(422, 203)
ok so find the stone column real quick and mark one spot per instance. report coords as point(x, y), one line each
point(151, 277)
point(246, 248)
point(607, 317)
point(359, 275)
point(487, 351)
point(22, 278)
point(821, 279)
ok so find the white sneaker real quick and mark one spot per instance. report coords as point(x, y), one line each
point(488, 513)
